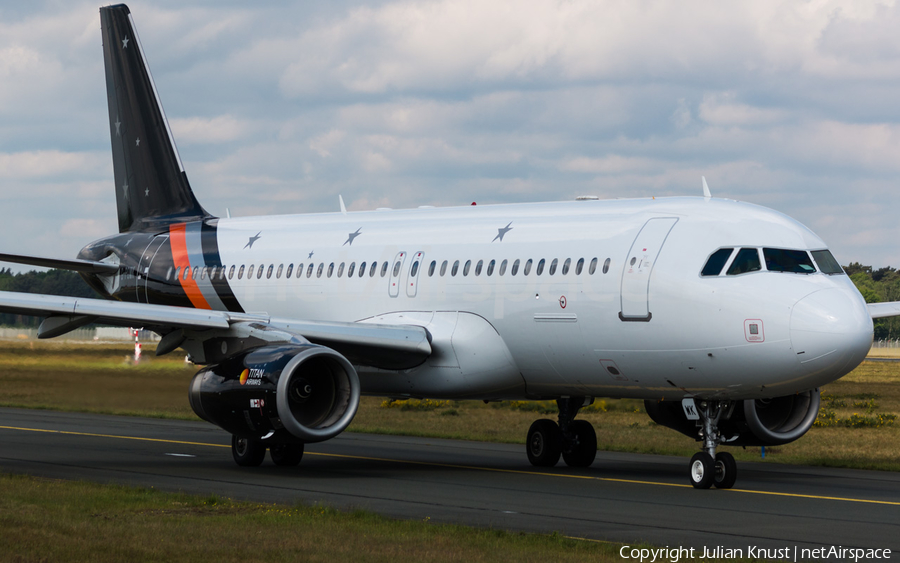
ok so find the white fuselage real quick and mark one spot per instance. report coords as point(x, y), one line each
point(654, 328)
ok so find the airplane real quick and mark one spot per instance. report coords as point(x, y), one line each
point(724, 317)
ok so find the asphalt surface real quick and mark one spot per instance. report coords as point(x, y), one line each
point(622, 498)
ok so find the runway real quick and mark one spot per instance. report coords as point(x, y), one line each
point(624, 498)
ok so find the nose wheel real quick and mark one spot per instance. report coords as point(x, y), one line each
point(708, 468)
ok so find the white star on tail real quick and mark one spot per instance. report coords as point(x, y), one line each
point(125, 42)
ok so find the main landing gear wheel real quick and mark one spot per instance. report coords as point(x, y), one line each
point(703, 470)
point(247, 452)
point(286, 455)
point(583, 450)
point(726, 471)
point(544, 443)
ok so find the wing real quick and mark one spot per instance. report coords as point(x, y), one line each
point(882, 310)
point(384, 346)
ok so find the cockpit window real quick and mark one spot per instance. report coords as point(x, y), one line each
point(827, 263)
point(790, 261)
point(716, 262)
point(747, 260)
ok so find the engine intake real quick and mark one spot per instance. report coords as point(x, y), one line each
point(752, 422)
point(299, 393)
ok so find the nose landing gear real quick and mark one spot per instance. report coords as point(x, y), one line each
point(574, 440)
point(709, 468)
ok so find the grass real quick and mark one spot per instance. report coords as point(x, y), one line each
point(45, 520)
point(101, 378)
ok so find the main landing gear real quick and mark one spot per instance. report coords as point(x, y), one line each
point(708, 467)
point(575, 440)
point(248, 452)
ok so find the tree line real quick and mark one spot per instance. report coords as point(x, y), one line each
point(876, 286)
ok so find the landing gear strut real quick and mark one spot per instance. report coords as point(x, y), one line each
point(574, 439)
point(708, 467)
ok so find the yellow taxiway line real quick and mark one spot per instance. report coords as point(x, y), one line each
point(457, 466)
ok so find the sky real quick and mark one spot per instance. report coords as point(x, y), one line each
point(279, 107)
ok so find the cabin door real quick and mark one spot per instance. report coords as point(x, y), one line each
point(143, 278)
point(639, 266)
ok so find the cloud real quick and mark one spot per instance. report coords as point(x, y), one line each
point(399, 103)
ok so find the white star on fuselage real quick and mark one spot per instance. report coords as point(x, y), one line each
point(125, 190)
point(147, 192)
point(125, 42)
point(118, 125)
point(137, 142)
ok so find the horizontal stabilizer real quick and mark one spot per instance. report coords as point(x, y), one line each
point(82, 266)
point(882, 310)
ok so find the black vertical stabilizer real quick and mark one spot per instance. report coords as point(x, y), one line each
point(152, 189)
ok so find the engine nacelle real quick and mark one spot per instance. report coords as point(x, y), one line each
point(752, 422)
point(299, 393)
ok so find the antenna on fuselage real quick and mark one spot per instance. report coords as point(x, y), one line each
point(343, 207)
point(706, 193)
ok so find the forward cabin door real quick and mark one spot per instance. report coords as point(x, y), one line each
point(639, 266)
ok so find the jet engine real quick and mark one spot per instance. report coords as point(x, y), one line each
point(752, 422)
point(287, 393)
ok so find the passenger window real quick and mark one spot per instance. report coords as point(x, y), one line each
point(259, 272)
point(527, 269)
point(269, 271)
point(605, 266)
point(384, 268)
point(443, 268)
point(177, 271)
point(593, 267)
point(467, 267)
point(540, 267)
point(553, 266)
point(330, 270)
point(478, 267)
point(320, 270)
point(299, 270)
point(373, 268)
point(414, 270)
point(309, 270)
point(240, 272)
point(455, 268)
point(826, 262)
point(362, 269)
point(202, 273)
point(341, 270)
point(716, 262)
point(566, 266)
point(431, 268)
point(579, 266)
point(790, 261)
point(290, 270)
point(396, 269)
point(502, 268)
point(747, 260)
point(351, 269)
point(231, 272)
point(250, 272)
point(515, 267)
point(490, 269)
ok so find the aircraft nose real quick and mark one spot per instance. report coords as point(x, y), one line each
point(831, 332)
